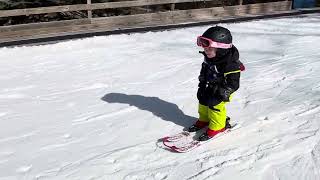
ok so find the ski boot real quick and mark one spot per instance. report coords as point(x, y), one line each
point(200, 124)
point(194, 128)
point(210, 134)
point(197, 126)
point(228, 125)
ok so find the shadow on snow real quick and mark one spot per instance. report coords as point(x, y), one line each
point(163, 109)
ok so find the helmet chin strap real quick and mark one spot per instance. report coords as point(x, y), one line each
point(203, 53)
point(221, 52)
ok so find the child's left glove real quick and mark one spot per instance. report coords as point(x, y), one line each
point(225, 93)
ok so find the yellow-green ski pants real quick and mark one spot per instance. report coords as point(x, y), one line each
point(216, 116)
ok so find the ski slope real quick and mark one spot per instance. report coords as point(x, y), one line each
point(95, 108)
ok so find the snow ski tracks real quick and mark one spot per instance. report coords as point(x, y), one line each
point(92, 118)
point(303, 166)
point(133, 157)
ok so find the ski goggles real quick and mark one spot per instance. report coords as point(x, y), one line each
point(206, 42)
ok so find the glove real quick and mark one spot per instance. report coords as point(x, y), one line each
point(225, 93)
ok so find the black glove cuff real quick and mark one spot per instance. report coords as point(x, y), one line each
point(225, 93)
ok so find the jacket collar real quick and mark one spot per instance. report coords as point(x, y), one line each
point(214, 60)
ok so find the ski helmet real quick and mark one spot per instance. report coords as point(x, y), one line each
point(218, 34)
point(221, 35)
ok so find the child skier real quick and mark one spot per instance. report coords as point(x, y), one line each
point(219, 78)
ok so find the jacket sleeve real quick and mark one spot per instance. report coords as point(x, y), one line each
point(232, 72)
point(233, 80)
point(202, 76)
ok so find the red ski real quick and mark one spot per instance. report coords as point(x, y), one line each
point(185, 141)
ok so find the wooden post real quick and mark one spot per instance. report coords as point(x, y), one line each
point(172, 7)
point(89, 11)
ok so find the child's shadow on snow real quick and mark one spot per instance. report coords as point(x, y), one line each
point(163, 109)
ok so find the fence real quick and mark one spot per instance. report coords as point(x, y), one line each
point(89, 24)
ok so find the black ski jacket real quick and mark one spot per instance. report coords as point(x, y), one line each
point(218, 72)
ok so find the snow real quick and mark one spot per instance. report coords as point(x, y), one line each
point(95, 108)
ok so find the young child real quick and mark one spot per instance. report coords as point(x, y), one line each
point(219, 78)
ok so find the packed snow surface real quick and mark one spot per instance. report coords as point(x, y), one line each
point(95, 108)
